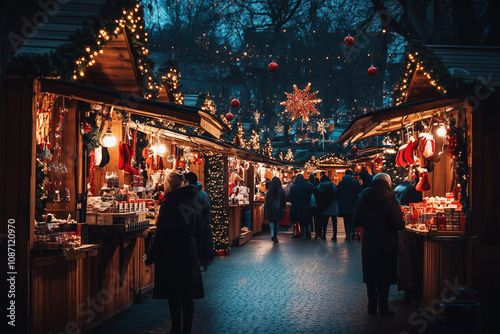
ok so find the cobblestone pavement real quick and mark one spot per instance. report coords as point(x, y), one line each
point(295, 286)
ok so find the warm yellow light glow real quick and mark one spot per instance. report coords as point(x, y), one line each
point(108, 139)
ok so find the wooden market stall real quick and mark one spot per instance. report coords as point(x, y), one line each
point(442, 92)
point(91, 269)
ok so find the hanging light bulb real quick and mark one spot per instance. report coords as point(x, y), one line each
point(108, 139)
point(161, 149)
point(441, 131)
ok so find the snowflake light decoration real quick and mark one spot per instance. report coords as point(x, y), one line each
point(301, 103)
point(321, 127)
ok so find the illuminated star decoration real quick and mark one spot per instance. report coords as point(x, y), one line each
point(301, 103)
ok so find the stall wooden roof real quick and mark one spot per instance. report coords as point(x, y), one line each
point(134, 104)
point(382, 121)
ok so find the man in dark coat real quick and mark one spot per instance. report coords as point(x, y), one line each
point(300, 211)
point(379, 213)
point(207, 244)
point(325, 194)
point(175, 249)
point(347, 195)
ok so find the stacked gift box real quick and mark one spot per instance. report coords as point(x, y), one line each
point(435, 214)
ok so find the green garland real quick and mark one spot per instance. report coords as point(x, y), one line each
point(40, 195)
point(92, 139)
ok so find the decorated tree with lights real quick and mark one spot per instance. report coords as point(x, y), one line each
point(171, 75)
point(239, 139)
point(214, 187)
point(289, 155)
point(254, 141)
point(268, 148)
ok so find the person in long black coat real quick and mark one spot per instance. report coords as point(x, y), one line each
point(379, 213)
point(348, 190)
point(300, 211)
point(175, 249)
point(275, 206)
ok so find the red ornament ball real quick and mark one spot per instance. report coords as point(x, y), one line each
point(229, 116)
point(384, 92)
point(392, 93)
point(235, 103)
point(372, 71)
point(354, 149)
point(349, 41)
point(273, 67)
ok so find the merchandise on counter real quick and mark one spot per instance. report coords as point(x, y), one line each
point(438, 215)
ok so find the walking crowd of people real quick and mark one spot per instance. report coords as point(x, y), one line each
point(183, 240)
point(371, 206)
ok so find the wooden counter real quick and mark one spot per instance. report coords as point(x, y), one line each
point(436, 265)
point(257, 217)
point(78, 290)
point(234, 223)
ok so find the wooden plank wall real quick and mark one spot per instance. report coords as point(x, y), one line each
point(70, 294)
point(444, 266)
point(17, 188)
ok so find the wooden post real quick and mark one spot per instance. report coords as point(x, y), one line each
point(17, 197)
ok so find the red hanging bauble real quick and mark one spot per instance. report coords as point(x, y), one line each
point(372, 71)
point(349, 41)
point(354, 149)
point(273, 67)
point(384, 92)
point(230, 116)
point(235, 103)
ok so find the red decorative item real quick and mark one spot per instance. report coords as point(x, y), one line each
point(452, 144)
point(273, 67)
point(423, 184)
point(349, 41)
point(121, 156)
point(354, 149)
point(235, 103)
point(372, 71)
point(230, 116)
point(384, 92)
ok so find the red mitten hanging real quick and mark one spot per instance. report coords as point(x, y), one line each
point(121, 156)
point(160, 163)
point(423, 184)
point(128, 168)
point(408, 152)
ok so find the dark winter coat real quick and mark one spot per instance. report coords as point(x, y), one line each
point(326, 198)
point(175, 246)
point(274, 208)
point(406, 193)
point(300, 197)
point(347, 194)
point(379, 213)
point(207, 245)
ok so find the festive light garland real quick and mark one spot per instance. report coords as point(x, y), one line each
point(214, 187)
point(172, 81)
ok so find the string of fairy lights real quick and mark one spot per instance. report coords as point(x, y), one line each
point(130, 22)
point(214, 186)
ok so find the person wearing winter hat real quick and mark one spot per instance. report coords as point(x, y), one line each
point(378, 213)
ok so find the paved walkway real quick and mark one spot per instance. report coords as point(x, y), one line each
point(295, 286)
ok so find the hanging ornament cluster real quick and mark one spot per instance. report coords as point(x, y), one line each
point(349, 41)
point(235, 103)
point(58, 133)
point(273, 67)
point(301, 103)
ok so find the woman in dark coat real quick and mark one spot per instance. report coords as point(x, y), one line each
point(175, 249)
point(378, 212)
point(300, 211)
point(274, 207)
